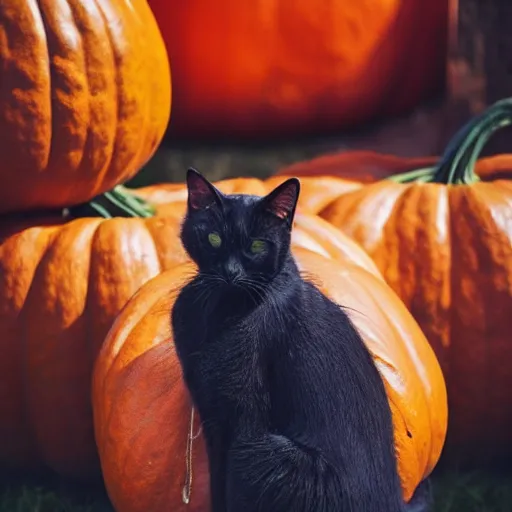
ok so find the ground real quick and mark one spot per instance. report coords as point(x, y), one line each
point(474, 492)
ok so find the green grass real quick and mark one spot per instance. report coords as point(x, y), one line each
point(473, 492)
point(38, 499)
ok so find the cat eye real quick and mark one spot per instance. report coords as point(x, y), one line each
point(258, 246)
point(215, 240)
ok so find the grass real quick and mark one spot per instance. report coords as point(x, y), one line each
point(473, 492)
point(38, 499)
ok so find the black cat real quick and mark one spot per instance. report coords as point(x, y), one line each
point(294, 411)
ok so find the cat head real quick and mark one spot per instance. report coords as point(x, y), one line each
point(240, 238)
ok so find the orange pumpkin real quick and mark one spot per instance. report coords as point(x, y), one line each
point(283, 66)
point(443, 241)
point(361, 166)
point(62, 283)
point(142, 410)
point(84, 98)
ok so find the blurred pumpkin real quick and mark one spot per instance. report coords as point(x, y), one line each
point(84, 98)
point(142, 411)
point(361, 166)
point(282, 67)
point(62, 283)
point(442, 238)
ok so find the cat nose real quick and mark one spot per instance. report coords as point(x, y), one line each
point(233, 269)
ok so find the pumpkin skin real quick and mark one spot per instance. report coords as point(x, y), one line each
point(62, 283)
point(274, 67)
point(142, 409)
point(81, 106)
point(446, 249)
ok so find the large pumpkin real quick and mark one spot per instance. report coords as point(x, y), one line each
point(286, 66)
point(62, 283)
point(84, 98)
point(142, 410)
point(443, 241)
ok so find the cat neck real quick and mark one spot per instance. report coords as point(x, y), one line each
point(232, 304)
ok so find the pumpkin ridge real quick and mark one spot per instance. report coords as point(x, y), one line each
point(127, 142)
point(427, 202)
point(469, 348)
point(102, 347)
point(152, 234)
point(144, 121)
point(81, 167)
point(378, 198)
point(420, 233)
point(67, 84)
point(491, 189)
point(393, 260)
point(107, 167)
point(27, 416)
point(88, 300)
point(113, 133)
point(58, 349)
point(26, 84)
point(30, 421)
point(48, 139)
point(482, 388)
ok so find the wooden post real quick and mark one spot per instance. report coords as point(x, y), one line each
point(479, 68)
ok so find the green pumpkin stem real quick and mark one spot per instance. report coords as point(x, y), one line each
point(457, 165)
point(118, 202)
point(417, 175)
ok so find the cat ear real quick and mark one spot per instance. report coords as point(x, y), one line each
point(282, 201)
point(201, 193)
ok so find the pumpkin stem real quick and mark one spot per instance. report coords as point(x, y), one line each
point(457, 165)
point(118, 202)
point(417, 175)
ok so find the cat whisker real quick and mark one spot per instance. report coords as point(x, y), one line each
point(206, 292)
point(260, 289)
point(250, 287)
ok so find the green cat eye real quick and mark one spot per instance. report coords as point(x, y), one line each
point(258, 246)
point(215, 240)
